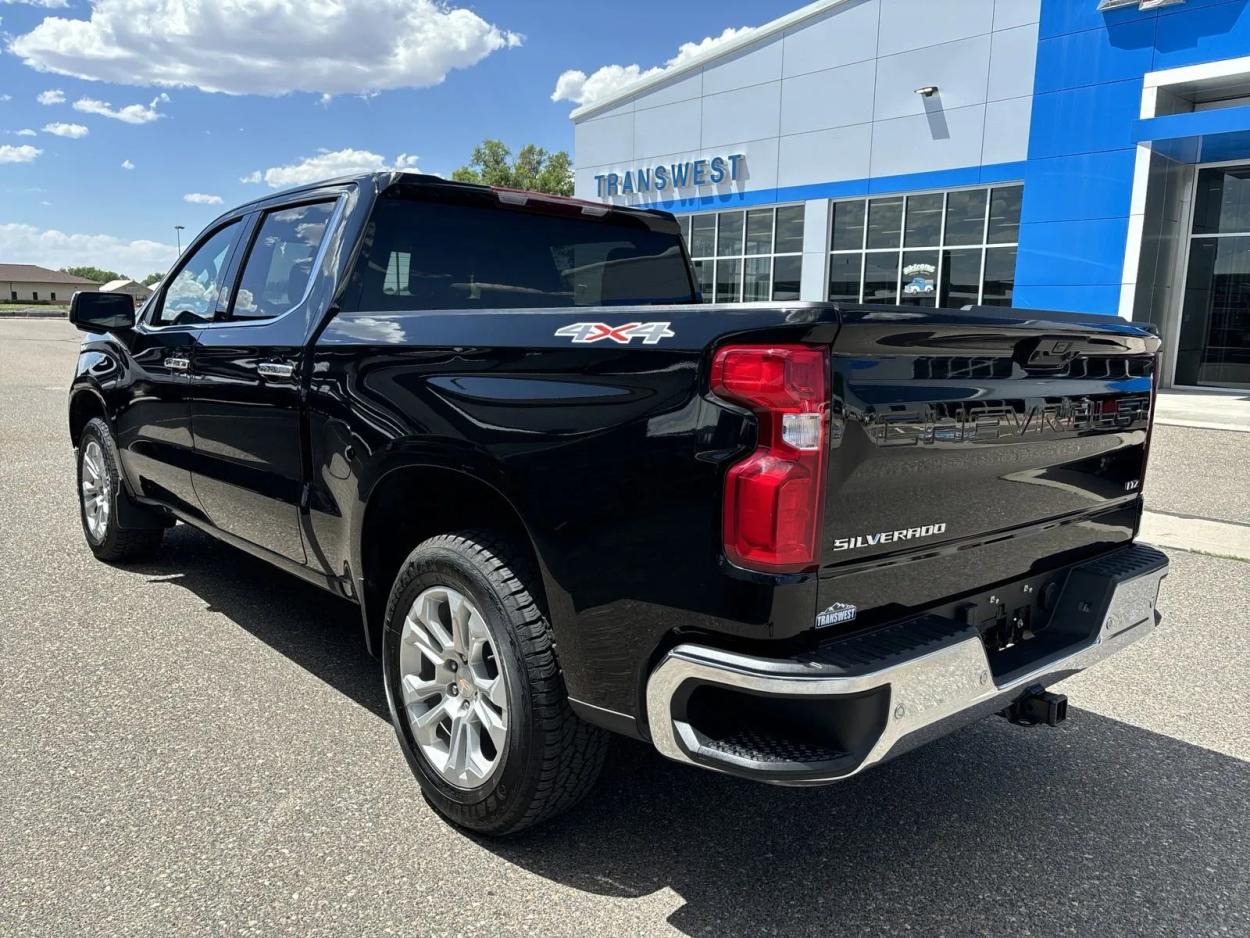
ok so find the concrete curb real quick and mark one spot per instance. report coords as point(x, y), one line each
point(1201, 535)
point(33, 313)
point(1203, 425)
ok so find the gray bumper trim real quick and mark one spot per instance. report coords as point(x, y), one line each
point(929, 695)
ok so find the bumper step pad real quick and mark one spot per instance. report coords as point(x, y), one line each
point(860, 700)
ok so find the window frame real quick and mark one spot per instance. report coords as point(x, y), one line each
point(255, 222)
point(741, 258)
point(984, 246)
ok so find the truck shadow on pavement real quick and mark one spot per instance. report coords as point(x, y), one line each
point(1097, 827)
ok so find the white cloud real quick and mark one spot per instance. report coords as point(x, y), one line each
point(26, 132)
point(62, 129)
point(267, 47)
point(23, 154)
point(51, 96)
point(26, 244)
point(126, 164)
point(326, 164)
point(200, 198)
point(6, 97)
point(576, 86)
point(130, 114)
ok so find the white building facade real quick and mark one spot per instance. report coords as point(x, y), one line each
point(1044, 154)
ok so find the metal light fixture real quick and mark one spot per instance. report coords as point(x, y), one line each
point(927, 91)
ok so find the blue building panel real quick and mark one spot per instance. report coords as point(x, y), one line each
point(1121, 52)
point(1081, 186)
point(1072, 253)
point(1200, 32)
point(1072, 299)
point(1084, 120)
point(1064, 17)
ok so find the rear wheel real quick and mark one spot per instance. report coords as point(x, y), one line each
point(474, 690)
point(99, 489)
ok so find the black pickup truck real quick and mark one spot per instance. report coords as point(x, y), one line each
point(783, 540)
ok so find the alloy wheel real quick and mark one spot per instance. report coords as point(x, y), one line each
point(452, 687)
point(96, 491)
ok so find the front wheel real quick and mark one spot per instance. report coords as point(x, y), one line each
point(475, 694)
point(99, 489)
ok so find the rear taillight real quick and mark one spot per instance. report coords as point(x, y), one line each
point(773, 497)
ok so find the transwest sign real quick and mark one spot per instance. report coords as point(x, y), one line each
point(673, 176)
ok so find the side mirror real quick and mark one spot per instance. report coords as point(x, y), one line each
point(102, 312)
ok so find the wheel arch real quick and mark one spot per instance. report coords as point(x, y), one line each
point(393, 522)
point(85, 404)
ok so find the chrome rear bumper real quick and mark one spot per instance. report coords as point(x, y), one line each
point(941, 680)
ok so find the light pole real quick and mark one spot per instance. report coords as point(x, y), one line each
point(178, 235)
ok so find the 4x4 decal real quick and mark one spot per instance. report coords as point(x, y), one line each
point(584, 333)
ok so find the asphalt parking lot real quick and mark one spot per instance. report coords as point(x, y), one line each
point(199, 746)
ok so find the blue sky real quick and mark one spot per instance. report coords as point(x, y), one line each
point(313, 90)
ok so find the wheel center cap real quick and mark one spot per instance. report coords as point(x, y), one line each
point(465, 685)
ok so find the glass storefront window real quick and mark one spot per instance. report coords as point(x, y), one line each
point(924, 221)
point(702, 241)
point(789, 230)
point(728, 281)
point(1214, 346)
point(759, 231)
point(747, 256)
point(881, 278)
point(885, 222)
point(1004, 225)
point(703, 273)
point(920, 273)
point(845, 273)
point(848, 225)
point(787, 274)
point(952, 248)
point(1000, 276)
point(965, 216)
point(961, 277)
point(1222, 201)
point(729, 234)
point(757, 284)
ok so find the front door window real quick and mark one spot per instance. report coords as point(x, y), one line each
point(1214, 347)
point(194, 293)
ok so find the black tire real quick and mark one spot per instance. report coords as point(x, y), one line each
point(551, 758)
point(113, 544)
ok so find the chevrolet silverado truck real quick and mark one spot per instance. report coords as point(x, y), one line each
point(779, 540)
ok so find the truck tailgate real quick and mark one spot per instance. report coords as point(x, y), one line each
point(976, 447)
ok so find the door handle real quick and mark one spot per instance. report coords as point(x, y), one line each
point(275, 369)
point(177, 364)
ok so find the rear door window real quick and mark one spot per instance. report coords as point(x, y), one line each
point(427, 253)
point(276, 273)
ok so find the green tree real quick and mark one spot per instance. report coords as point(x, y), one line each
point(94, 273)
point(151, 279)
point(534, 168)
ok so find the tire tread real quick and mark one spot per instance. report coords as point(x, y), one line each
point(573, 751)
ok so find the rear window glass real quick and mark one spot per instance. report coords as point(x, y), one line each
point(427, 254)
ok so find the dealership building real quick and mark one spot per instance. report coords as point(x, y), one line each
point(1043, 154)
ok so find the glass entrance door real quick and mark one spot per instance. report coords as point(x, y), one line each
point(1214, 347)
